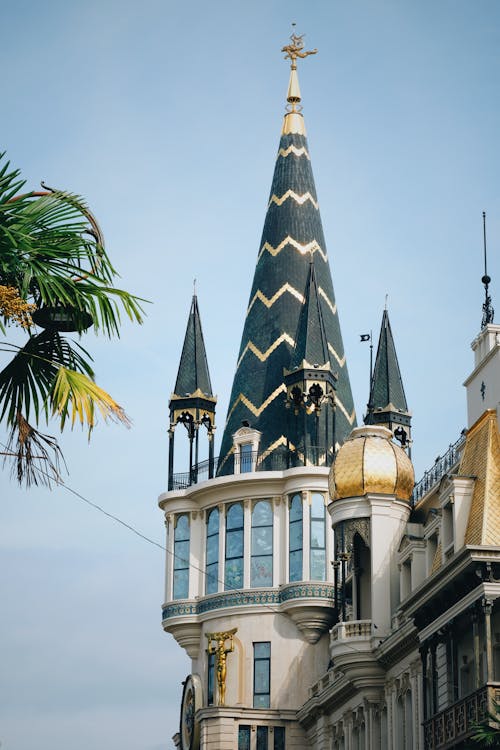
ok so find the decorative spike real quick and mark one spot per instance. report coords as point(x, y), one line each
point(488, 311)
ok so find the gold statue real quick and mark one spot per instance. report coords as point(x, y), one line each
point(217, 645)
point(296, 49)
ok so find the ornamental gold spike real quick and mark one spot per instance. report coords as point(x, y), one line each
point(293, 51)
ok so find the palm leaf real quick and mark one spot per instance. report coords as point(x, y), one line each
point(76, 396)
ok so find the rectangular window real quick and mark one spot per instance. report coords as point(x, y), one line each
point(181, 558)
point(233, 572)
point(246, 457)
point(212, 553)
point(317, 536)
point(262, 738)
point(210, 680)
point(261, 562)
point(295, 539)
point(261, 675)
point(243, 737)
point(279, 738)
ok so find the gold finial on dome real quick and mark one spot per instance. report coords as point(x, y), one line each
point(369, 462)
point(294, 122)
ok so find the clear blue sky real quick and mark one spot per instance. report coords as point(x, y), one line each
point(166, 116)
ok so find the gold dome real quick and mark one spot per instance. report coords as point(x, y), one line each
point(370, 462)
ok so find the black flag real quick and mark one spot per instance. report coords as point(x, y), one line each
point(365, 336)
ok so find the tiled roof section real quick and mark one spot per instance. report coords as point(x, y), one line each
point(387, 384)
point(292, 233)
point(193, 372)
point(481, 459)
point(311, 344)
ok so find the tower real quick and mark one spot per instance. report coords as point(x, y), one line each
point(192, 403)
point(276, 328)
point(387, 401)
point(250, 592)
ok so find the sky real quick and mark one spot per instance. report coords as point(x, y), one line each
point(166, 116)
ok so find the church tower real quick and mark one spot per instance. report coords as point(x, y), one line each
point(292, 264)
point(250, 592)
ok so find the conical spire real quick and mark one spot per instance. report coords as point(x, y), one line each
point(193, 372)
point(311, 346)
point(292, 233)
point(387, 403)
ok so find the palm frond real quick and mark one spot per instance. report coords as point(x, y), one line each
point(36, 458)
point(77, 396)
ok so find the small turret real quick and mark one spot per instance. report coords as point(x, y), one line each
point(387, 402)
point(192, 402)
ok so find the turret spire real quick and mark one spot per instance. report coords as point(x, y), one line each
point(387, 402)
point(292, 236)
point(192, 402)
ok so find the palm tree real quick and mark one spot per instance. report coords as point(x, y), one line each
point(55, 277)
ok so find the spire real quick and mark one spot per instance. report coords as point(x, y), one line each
point(193, 368)
point(488, 311)
point(387, 402)
point(192, 403)
point(292, 235)
point(311, 345)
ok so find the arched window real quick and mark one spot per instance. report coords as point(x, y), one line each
point(212, 552)
point(261, 565)
point(318, 540)
point(181, 558)
point(295, 539)
point(233, 574)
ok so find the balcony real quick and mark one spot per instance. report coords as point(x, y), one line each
point(352, 649)
point(236, 463)
point(443, 465)
point(457, 722)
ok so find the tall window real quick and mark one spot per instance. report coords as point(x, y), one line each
point(181, 558)
point(234, 547)
point(279, 738)
point(246, 457)
point(244, 737)
point(212, 552)
point(262, 738)
point(295, 539)
point(261, 675)
point(318, 553)
point(261, 566)
point(210, 678)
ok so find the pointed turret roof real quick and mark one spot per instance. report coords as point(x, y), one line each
point(386, 392)
point(292, 232)
point(311, 345)
point(193, 372)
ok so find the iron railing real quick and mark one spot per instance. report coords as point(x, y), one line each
point(242, 463)
point(457, 722)
point(442, 466)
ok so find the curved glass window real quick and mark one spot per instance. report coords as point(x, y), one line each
point(295, 539)
point(233, 573)
point(318, 552)
point(181, 558)
point(212, 552)
point(261, 563)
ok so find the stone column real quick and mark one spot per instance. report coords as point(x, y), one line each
point(487, 609)
point(475, 640)
point(247, 542)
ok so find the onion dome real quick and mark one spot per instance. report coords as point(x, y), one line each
point(370, 462)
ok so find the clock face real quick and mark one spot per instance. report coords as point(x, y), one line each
point(189, 729)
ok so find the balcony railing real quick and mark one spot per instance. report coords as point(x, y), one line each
point(242, 463)
point(457, 722)
point(442, 466)
point(352, 629)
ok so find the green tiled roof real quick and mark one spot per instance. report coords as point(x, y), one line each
point(292, 234)
point(193, 368)
point(387, 384)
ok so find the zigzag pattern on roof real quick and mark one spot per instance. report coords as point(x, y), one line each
point(340, 360)
point(303, 248)
point(264, 355)
point(350, 417)
point(323, 294)
point(302, 151)
point(300, 199)
point(269, 301)
point(256, 410)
